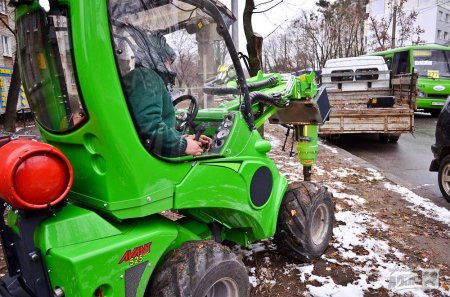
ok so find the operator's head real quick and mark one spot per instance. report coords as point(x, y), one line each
point(159, 57)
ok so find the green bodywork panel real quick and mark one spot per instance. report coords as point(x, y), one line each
point(435, 99)
point(83, 251)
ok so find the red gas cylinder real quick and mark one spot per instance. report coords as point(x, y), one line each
point(33, 175)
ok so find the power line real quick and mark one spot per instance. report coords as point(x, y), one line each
point(431, 7)
point(260, 4)
point(285, 20)
point(282, 23)
point(281, 1)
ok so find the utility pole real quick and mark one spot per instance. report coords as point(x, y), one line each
point(394, 23)
point(235, 27)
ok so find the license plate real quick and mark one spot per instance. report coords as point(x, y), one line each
point(437, 103)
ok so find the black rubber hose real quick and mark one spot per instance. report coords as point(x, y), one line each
point(267, 83)
point(211, 90)
point(265, 99)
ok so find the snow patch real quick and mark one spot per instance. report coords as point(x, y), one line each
point(424, 186)
point(274, 141)
point(343, 172)
point(422, 205)
point(252, 278)
point(365, 254)
point(350, 199)
point(338, 185)
point(318, 171)
point(374, 175)
point(372, 260)
point(331, 149)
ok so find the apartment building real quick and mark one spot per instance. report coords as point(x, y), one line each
point(7, 40)
point(433, 17)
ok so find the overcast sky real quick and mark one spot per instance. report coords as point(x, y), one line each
point(265, 23)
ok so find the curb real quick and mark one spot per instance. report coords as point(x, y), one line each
point(363, 163)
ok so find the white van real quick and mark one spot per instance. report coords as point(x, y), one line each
point(355, 73)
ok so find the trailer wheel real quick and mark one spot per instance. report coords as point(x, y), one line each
point(444, 177)
point(199, 269)
point(305, 222)
point(389, 137)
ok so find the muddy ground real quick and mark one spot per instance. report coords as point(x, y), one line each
point(382, 244)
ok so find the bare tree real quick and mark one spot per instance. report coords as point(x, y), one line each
point(186, 64)
point(255, 40)
point(14, 88)
point(253, 50)
point(285, 52)
point(405, 28)
point(334, 30)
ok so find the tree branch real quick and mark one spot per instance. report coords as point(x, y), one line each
point(260, 4)
point(7, 26)
point(262, 11)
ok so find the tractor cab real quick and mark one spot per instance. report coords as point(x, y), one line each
point(180, 47)
point(88, 73)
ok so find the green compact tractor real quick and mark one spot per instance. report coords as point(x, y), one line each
point(94, 211)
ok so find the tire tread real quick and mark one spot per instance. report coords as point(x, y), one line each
point(292, 236)
point(185, 268)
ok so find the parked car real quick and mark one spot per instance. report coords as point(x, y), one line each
point(441, 151)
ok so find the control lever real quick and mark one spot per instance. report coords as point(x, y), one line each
point(199, 129)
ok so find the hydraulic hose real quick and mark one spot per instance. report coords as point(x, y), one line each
point(267, 83)
point(266, 99)
point(212, 90)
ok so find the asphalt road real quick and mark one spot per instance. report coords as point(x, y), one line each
point(409, 159)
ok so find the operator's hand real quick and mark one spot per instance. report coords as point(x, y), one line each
point(204, 140)
point(193, 147)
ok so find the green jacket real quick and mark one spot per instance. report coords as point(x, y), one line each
point(153, 112)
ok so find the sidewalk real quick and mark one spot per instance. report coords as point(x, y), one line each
point(387, 240)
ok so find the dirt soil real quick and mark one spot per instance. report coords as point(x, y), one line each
point(378, 236)
point(388, 236)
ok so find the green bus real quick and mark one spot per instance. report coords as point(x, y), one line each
point(432, 63)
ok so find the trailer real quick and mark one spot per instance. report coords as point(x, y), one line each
point(366, 98)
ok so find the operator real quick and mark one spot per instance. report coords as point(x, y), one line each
point(150, 102)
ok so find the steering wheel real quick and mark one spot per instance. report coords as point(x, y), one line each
point(185, 119)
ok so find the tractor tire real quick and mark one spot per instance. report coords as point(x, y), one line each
point(305, 222)
point(390, 137)
point(199, 269)
point(444, 177)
